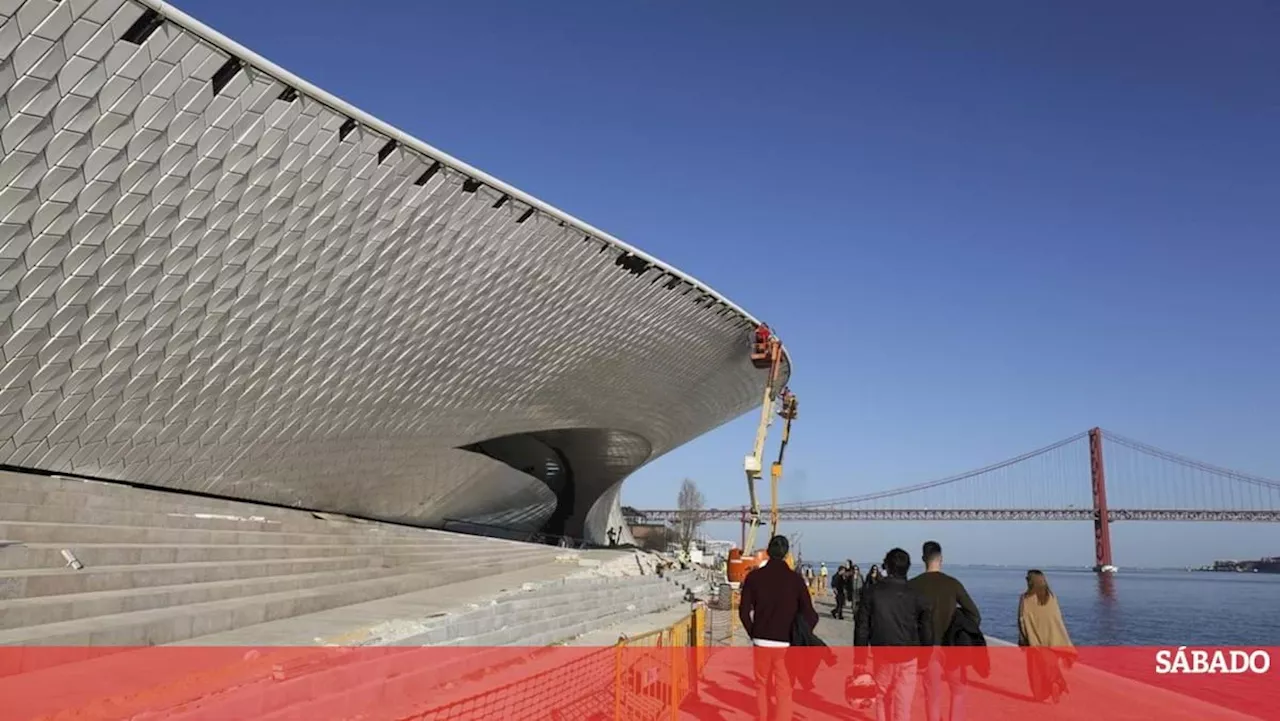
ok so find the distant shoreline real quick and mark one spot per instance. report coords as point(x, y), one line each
point(1262, 565)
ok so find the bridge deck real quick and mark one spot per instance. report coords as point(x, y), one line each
point(972, 514)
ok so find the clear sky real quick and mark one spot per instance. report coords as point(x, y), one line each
point(979, 227)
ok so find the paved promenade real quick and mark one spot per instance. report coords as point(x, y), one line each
point(727, 691)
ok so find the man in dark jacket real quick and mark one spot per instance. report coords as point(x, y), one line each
point(896, 620)
point(838, 585)
point(946, 595)
point(772, 597)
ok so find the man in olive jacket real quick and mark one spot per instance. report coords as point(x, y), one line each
point(946, 596)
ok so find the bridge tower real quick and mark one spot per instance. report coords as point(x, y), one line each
point(1101, 516)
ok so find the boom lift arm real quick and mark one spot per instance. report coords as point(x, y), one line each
point(766, 352)
point(788, 409)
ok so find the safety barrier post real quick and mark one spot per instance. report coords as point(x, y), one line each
point(691, 654)
point(675, 682)
point(684, 657)
point(617, 679)
point(696, 631)
point(734, 603)
point(732, 616)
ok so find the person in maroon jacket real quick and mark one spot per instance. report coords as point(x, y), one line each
point(772, 597)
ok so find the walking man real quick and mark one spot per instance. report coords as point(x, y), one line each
point(772, 596)
point(946, 595)
point(839, 585)
point(894, 618)
point(822, 572)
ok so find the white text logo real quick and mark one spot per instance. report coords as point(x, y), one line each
point(1217, 661)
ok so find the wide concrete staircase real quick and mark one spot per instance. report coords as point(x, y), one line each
point(158, 568)
point(369, 684)
point(549, 614)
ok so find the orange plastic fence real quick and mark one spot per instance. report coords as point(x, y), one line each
point(642, 677)
point(656, 672)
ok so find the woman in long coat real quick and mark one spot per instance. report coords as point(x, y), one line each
point(1043, 635)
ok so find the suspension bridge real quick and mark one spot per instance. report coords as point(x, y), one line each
point(1071, 480)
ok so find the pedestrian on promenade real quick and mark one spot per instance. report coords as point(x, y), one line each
point(895, 619)
point(838, 585)
point(822, 576)
point(1042, 634)
point(946, 596)
point(853, 588)
point(873, 575)
point(772, 598)
point(851, 583)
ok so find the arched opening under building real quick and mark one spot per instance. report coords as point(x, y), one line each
point(579, 465)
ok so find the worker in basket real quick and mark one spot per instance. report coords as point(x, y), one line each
point(790, 406)
point(760, 347)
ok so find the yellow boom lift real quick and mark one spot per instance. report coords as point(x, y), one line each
point(766, 353)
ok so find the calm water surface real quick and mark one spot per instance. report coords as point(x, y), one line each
point(1135, 607)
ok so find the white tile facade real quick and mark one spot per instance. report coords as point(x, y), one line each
point(210, 280)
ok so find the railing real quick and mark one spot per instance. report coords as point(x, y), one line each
point(647, 677)
point(654, 673)
point(722, 617)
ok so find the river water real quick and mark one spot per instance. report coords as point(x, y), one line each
point(1136, 607)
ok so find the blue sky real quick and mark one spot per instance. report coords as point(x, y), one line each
point(980, 227)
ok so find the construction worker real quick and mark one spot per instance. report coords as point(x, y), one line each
point(760, 346)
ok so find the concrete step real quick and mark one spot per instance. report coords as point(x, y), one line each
point(170, 625)
point(374, 692)
point(30, 583)
point(580, 590)
point(56, 492)
point(546, 611)
point(565, 626)
point(81, 502)
point(75, 533)
point(38, 610)
point(369, 623)
point(39, 583)
point(48, 556)
point(52, 492)
point(277, 640)
point(12, 483)
point(531, 628)
point(303, 695)
point(23, 512)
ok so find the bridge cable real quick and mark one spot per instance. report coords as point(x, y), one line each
point(939, 482)
point(1191, 462)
